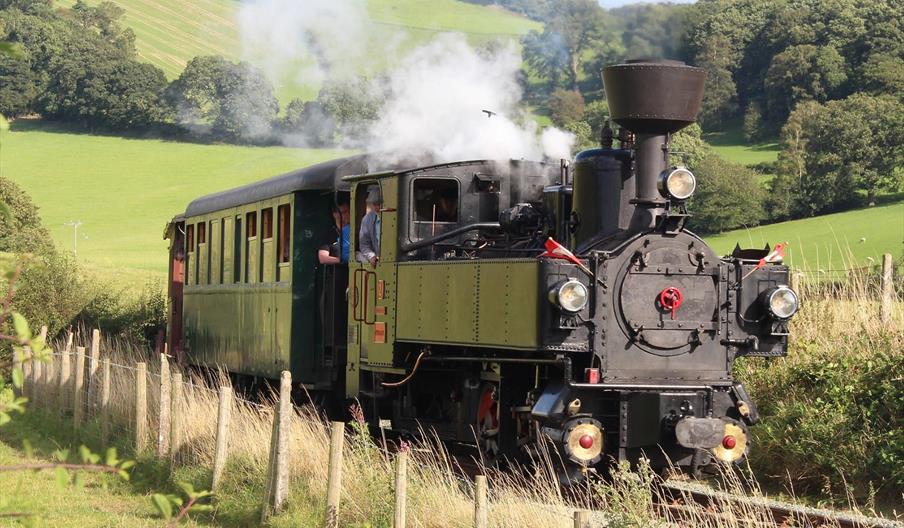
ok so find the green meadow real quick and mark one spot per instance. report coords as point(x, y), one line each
point(124, 190)
point(731, 145)
point(829, 242)
point(169, 33)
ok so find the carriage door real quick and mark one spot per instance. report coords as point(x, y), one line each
point(175, 232)
point(371, 299)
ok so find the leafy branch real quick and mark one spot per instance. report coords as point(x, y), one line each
point(174, 508)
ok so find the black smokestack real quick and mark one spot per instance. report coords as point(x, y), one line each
point(652, 99)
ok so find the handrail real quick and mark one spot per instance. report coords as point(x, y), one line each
point(405, 248)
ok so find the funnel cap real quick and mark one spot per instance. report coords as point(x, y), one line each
point(653, 96)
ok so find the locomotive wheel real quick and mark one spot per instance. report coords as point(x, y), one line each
point(488, 421)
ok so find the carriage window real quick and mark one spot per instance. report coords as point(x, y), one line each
point(251, 224)
point(237, 250)
point(436, 200)
point(202, 233)
point(267, 223)
point(282, 231)
point(190, 238)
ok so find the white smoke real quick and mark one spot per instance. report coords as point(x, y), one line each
point(453, 103)
point(436, 95)
point(310, 40)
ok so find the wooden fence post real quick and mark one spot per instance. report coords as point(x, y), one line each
point(581, 519)
point(887, 288)
point(219, 460)
point(50, 393)
point(27, 369)
point(176, 411)
point(401, 489)
point(277, 490)
point(334, 484)
point(480, 501)
point(65, 373)
point(141, 407)
point(281, 473)
point(105, 402)
point(78, 403)
point(93, 365)
point(163, 429)
point(37, 376)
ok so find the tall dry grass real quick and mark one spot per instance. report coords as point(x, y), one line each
point(438, 493)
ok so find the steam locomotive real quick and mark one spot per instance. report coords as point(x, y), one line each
point(468, 324)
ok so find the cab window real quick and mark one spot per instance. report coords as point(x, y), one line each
point(435, 203)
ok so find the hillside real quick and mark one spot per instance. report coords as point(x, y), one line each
point(171, 32)
point(731, 145)
point(829, 242)
point(125, 190)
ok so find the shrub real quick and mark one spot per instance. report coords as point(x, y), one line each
point(22, 232)
point(137, 320)
point(831, 409)
point(753, 122)
point(566, 106)
point(728, 196)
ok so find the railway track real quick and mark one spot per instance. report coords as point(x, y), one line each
point(686, 504)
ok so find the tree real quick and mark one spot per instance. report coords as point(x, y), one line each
point(753, 122)
point(125, 94)
point(21, 231)
point(720, 98)
point(583, 136)
point(596, 114)
point(352, 104)
point(581, 24)
point(234, 101)
point(307, 124)
point(18, 86)
point(728, 195)
point(802, 73)
point(574, 26)
point(545, 53)
point(851, 146)
point(565, 106)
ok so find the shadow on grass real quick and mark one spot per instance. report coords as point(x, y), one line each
point(165, 132)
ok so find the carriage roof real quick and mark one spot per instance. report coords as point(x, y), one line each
point(326, 176)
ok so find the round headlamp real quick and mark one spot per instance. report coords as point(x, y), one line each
point(782, 302)
point(571, 296)
point(677, 183)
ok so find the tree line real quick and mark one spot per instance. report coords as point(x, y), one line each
point(823, 78)
point(80, 65)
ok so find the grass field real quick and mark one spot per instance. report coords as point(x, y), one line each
point(171, 32)
point(828, 242)
point(125, 190)
point(731, 145)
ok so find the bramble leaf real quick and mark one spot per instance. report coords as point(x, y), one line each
point(62, 477)
point(163, 505)
point(20, 324)
point(18, 377)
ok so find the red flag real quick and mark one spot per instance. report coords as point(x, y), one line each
point(776, 255)
point(558, 251)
